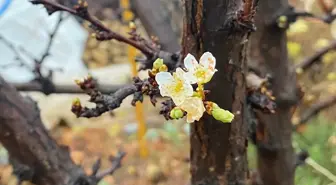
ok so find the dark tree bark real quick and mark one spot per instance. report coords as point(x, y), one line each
point(268, 56)
point(29, 144)
point(218, 151)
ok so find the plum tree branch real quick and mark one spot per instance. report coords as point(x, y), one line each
point(150, 49)
point(65, 88)
point(315, 109)
point(310, 61)
point(30, 146)
point(45, 81)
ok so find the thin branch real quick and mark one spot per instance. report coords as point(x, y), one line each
point(35, 156)
point(20, 60)
point(149, 48)
point(105, 103)
point(308, 62)
point(51, 38)
point(315, 109)
point(292, 15)
point(115, 164)
point(67, 89)
point(46, 84)
point(329, 18)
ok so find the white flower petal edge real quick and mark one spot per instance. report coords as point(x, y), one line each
point(208, 61)
point(190, 62)
point(164, 78)
point(200, 72)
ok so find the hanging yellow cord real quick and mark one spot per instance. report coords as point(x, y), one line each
point(128, 16)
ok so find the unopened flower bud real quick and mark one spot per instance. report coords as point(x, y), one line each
point(176, 113)
point(158, 63)
point(132, 25)
point(222, 115)
point(76, 102)
point(163, 68)
point(78, 82)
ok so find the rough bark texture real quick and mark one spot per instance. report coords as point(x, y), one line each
point(218, 151)
point(268, 56)
point(29, 144)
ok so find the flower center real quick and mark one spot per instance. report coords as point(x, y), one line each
point(200, 73)
point(178, 86)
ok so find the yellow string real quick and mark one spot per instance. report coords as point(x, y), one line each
point(128, 16)
point(138, 108)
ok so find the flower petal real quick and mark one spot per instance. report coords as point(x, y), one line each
point(180, 74)
point(165, 90)
point(178, 99)
point(190, 77)
point(208, 76)
point(164, 78)
point(194, 107)
point(208, 61)
point(187, 89)
point(190, 62)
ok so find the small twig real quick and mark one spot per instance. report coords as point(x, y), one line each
point(115, 164)
point(308, 62)
point(45, 82)
point(292, 15)
point(149, 48)
point(315, 109)
point(104, 103)
point(321, 169)
point(21, 61)
point(51, 38)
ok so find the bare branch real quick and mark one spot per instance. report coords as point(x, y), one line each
point(20, 60)
point(308, 62)
point(149, 48)
point(51, 38)
point(105, 103)
point(45, 82)
point(315, 109)
point(291, 15)
point(35, 156)
point(67, 89)
point(115, 164)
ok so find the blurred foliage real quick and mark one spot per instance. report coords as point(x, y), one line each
point(319, 140)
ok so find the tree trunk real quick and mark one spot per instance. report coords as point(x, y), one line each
point(218, 150)
point(155, 19)
point(267, 55)
point(29, 145)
